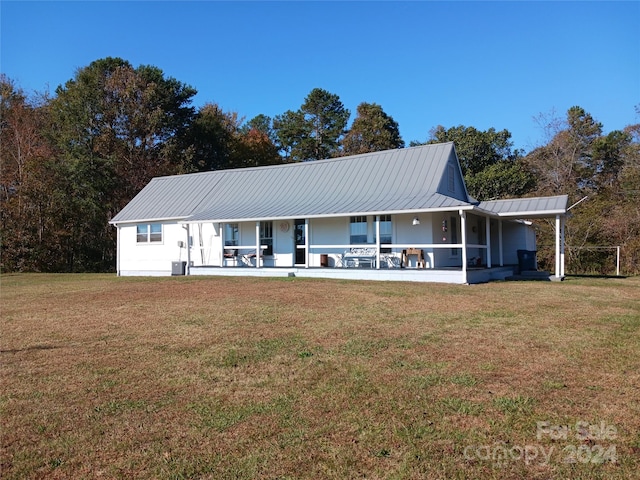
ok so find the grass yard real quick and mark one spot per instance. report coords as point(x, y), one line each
point(246, 378)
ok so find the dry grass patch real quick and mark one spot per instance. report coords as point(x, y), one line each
point(290, 378)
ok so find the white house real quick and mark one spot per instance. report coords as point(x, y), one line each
point(400, 214)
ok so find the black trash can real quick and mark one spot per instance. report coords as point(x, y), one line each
point(527, 260)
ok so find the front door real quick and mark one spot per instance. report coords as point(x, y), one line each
point(301, 252)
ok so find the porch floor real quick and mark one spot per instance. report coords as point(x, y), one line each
point(444, 275)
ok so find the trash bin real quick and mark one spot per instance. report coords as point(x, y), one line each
point(324, 260)
point(527, 260)
point(178, 268)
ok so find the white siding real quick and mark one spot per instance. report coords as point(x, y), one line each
point(515, 236)
point(329, 231)
point(206, 247)
point(150, 258)
point(406, 233)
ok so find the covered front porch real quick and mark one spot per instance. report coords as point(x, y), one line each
point(463, 247)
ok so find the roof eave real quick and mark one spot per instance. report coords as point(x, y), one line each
point(330, 215)
point(116, 222)
point(531, 214)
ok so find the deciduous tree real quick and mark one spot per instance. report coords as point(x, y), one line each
point(28, 185)
point(114, 127)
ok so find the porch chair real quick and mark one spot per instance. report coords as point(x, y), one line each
point(420, 263)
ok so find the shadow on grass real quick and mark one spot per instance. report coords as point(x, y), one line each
point(29, 349)
point(594, 275)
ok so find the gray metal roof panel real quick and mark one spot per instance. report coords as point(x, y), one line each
point(527, 207)
point(392, 180)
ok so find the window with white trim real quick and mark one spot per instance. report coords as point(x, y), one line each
point(386, 232)
point(149, 233)
point(358, 230)
point(386, 229)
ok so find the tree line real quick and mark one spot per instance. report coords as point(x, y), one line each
point(72, 160)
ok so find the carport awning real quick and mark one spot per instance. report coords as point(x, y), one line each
point(535, 207)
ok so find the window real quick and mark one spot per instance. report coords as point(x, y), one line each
point(149, 233)
point(155, 234)
point(454, 236)
point(266, 237)
point(231, 234)
point(358, 230)
point(385, 229)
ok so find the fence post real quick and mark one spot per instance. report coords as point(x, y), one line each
point(618, 260)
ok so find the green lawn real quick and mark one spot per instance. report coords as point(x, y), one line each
point(193, 377)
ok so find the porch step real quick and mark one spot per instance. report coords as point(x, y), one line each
point(537, 275)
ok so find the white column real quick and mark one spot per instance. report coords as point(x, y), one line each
point(488, 235)
point(378, 242)
point(463, 235)
point(306, 243)
point(557, 273)
point(188, 244)
point(258, 251)
point(222, 241)
point(562, 223)
point(500, 252)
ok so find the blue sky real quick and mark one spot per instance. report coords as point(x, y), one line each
point(482, 64)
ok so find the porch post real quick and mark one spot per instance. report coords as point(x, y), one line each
point(377, 242)
point(463, 231)
point(306, 243)
point(188, 244)
point(258, 251)
point(562, 224)
point(221, 225)
point(500, 253)
point(557, 273)
point(488, 235)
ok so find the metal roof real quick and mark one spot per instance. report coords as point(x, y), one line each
point(392, 181)
point(527, 207)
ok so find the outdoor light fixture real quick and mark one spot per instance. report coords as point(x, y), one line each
point(416, 221)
